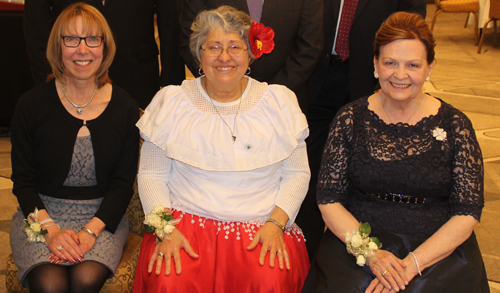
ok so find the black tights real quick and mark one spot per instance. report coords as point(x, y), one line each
point(86, 277)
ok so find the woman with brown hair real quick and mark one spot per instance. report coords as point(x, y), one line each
point(408, 166)
point(74, 160)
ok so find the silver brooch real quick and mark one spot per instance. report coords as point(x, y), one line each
point(439, 134)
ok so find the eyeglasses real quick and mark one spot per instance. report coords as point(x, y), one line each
point(73, 41)
point(216, 51)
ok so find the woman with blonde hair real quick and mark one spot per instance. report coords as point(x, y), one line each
point(74, 160)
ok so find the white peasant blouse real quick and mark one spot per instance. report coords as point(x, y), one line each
point(189, 161)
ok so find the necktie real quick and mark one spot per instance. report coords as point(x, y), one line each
point(342, 44)
point(255, 9)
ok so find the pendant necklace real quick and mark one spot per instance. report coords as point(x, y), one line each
point(233, 137)
point(79, 107)
point(418, 107)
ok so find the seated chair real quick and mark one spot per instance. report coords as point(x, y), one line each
point(494, 16)
point(123, 280)
point(457, 6)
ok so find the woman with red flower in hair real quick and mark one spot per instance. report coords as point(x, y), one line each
point(224, 155)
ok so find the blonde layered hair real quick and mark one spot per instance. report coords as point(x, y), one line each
point(94, 23)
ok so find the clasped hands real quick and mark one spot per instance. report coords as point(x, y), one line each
point(68, 245)
point(269, 235)
point(392, 274)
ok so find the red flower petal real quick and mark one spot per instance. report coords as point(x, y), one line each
point(261, 39)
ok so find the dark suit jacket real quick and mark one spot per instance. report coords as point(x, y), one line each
point(368, 17)
point(135, 67)
point(298, 37)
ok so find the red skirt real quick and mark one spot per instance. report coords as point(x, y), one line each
point(224, 265)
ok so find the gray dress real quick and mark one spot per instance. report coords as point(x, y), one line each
point(70, 214)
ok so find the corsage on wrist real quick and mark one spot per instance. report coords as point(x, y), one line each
point(160, 223)
point(33, 228)
point(359, 244)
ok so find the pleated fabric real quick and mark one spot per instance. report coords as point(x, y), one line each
point(224, 265)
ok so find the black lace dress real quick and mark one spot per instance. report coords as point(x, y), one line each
point(438, 158)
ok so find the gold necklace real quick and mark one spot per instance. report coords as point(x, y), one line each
point(79, 107)
point(233, 137)
point(418, 107)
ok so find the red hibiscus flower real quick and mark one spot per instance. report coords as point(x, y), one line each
point(261, 39)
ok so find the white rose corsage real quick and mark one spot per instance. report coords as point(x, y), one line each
point(160, 223)
point(359, 244)
point(439, 134)
point(33, 228)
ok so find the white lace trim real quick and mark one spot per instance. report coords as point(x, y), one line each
point(250, 227)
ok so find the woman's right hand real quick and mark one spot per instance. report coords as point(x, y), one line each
point(68, 240)
point(168, 249)
point(389, 270)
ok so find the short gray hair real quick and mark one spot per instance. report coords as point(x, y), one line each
point(226, 17)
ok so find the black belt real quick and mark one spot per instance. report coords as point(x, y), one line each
point(402, 198)
point(335, 59)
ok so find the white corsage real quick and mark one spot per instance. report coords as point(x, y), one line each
point(160, 223)
point(439, 134)
point(359, 244)
point(33, 228)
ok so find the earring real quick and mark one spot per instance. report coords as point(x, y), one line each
point(428, 78)
point(248, 71)
point(200, 72)
point(375, 74)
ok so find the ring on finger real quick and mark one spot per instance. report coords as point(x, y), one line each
point(383, 274)
point(161, 254)
point(60, 248)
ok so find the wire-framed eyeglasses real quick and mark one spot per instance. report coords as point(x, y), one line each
point(216, 51)
point(74, 41)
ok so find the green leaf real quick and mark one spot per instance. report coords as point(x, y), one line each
point(159, 239)
point(168, 217)
point(376, 241)
point(365, 228)
point(149, 229)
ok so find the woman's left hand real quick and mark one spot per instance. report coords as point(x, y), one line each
point(271, 238)
point(377, 287)
point(86, 243)
point(389, 270)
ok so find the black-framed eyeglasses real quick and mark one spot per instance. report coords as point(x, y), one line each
point(216, 51)
point(74, 41)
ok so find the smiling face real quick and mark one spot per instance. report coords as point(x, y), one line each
point(224, 71)
point(81, 63)
point(402, 68)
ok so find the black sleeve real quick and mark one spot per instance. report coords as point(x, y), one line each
point(37, 26)
point(333, 181)
point(302, 61)
point(172, 65)
point(122, 175)
point(23, 157)
point(189, 12)
point(467, 190)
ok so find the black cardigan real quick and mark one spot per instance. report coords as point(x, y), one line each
point(43, 135)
